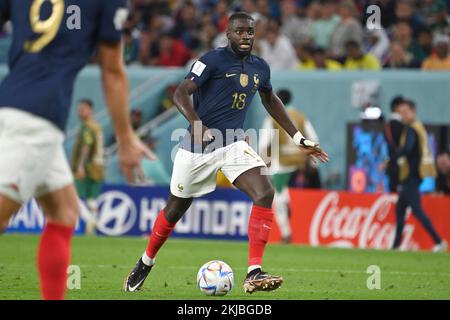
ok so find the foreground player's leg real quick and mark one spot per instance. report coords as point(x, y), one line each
point(163, 227)
point(7, 208)
point(260, 190)
point(61, 210)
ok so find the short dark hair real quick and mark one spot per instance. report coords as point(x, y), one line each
point(352, 43)
point(395, 102)
point(87, 102)
point(411, 104)
point(284, 95)
point(238, 16)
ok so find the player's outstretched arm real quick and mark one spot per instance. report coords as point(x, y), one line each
point(115, 84)
point(277, 111)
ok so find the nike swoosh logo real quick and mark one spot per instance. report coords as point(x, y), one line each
point(131, 289)
point(230, 74)
point(266, 226)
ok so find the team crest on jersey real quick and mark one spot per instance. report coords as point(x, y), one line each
point(256, 79)
point(244, 79)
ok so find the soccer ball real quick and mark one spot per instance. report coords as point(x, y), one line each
point(215, 278)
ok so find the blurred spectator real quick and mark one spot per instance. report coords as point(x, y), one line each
point(171, 52)
point(305, 57)
point(439, 20)
point(440, 59)
point(296, 28)
point(87, 158)
point(405, 12)
point(415, 164)
point(402, 33)
point(399, 58)
point(376, 42)
point(222, 181)
point(148, 47)
point(277, 50)
point(130, 47)
point(321, 61)
point(323, 28)
point(187, 27)
point(221, 13)
point(247, 6)
point(290, 162)
point(167, 100)
point(425, 41)
point(348, 28)
point(356, 59)
point(171, 33)
point(263, 7)
point(443, 168)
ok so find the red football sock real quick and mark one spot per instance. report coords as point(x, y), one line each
point(160, 233)
point(53, 260)
point(259, 227)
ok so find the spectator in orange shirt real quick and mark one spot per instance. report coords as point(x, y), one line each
point(440, 60)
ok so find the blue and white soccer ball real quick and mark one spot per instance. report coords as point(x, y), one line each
point(215, 278)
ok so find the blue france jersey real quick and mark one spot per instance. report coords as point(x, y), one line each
point(52, 41)
point(226, 86)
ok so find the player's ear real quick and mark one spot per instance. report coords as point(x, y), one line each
point(228, 33)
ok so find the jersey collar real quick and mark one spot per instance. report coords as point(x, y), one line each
point(248, 58)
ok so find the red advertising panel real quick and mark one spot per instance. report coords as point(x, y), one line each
point(345, 219)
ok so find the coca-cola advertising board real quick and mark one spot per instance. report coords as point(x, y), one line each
point(350, 220)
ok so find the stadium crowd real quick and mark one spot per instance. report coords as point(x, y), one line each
point(294, 34)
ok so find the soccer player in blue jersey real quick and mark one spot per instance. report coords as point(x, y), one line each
point(223, 82)
point(52, 41)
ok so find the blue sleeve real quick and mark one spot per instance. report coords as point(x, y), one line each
point(112, 18)
point(203, 69)
point(266, 85)
point(411, 140)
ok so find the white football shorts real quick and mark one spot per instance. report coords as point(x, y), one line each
point(195, 174)
point(32, 159)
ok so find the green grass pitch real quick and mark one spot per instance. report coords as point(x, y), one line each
point(309, 273)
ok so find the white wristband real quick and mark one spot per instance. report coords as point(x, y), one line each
point(298, 138)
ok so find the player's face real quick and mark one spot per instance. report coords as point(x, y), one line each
point(407, 114)
point(240, 35)
point(84, 111)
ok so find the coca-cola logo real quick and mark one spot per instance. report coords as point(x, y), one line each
point(346, 226)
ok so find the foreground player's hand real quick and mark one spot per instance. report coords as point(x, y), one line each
point(205, 137)
point(130, 155)
point(312, 149)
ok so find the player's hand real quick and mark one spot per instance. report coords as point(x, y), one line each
point(205, 137)
point(312, 149)
point(81, 173)
point(130, 153)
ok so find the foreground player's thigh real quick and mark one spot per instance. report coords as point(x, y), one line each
point(57, 194)
point(61, 206)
